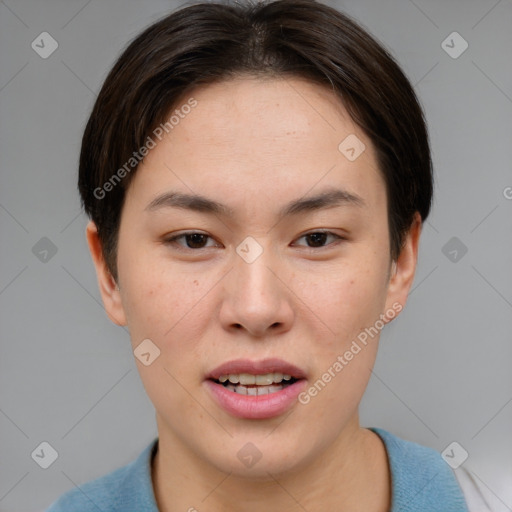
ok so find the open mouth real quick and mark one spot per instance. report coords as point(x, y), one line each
point(256, 389)
point(255, 385)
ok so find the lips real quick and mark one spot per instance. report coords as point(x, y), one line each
point(256, 389)
point(262, 367)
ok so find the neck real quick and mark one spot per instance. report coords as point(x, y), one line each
point(350, 474)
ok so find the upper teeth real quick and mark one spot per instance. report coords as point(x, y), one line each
point(259, 380)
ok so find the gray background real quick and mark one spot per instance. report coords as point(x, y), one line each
point(68, 376)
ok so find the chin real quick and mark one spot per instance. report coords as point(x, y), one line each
point(261, 458)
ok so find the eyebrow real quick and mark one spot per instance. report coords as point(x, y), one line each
point(329, 198)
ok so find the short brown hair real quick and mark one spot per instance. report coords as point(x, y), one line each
point(210, 42)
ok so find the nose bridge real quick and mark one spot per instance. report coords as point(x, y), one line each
point(256, 299)
point(253, 274)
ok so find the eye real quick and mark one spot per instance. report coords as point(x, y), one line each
point(319, 238)
point(193, 240)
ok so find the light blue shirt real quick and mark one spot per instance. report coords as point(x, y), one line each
point(421, 482)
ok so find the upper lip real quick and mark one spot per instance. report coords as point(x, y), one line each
point(262, 367)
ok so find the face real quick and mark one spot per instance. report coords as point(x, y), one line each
point(256, 292)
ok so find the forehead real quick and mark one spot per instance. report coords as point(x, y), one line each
point(262, 116)
point(253, 138)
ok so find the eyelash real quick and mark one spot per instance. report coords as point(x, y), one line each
point(172, 240)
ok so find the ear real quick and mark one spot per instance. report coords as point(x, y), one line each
point(108, 287)
point(403, 269)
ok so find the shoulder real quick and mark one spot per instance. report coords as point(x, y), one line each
point(98, 494)
point(421, 479)
point(129, 485)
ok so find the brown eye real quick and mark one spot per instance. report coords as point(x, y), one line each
point(192, 240)
point(195, 240)
point(318, 239)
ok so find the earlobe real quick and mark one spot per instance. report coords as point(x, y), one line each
point(404, 268)
point(109, 288)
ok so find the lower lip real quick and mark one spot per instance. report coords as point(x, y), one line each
point(256, 407)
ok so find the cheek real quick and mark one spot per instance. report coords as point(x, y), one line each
point(150, 298)
point(169, 307)
point(345, 300)
point(168, 310)
point(349, 302)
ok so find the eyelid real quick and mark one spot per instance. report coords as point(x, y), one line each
point(324, 231)
point(172, 240)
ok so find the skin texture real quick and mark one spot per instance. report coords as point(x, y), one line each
point(254, 145)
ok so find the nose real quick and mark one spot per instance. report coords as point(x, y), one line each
point(258, 298)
